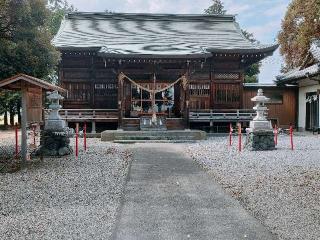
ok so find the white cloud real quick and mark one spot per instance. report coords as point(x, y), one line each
point(234, 7)
point(271, 67)
point(276, 10)
point(263, 32)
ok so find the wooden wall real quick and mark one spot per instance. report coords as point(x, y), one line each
point(283, 112)
point(91, 82)
point(219, 83)
point(215, 83)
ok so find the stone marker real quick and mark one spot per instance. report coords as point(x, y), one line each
point(260, 135)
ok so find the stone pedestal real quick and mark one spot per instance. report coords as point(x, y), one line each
point(260, 140)
point(54, 144)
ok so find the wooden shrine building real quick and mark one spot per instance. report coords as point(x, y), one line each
point(119, 67)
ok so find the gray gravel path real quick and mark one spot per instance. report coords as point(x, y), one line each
point(169, 197)
point(65, 198)
point(281, 188)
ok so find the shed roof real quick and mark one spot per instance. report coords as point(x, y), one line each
point(155, 34)
point(266, 85)
point(14, 83)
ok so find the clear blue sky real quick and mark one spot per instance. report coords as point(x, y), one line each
point(261, 17)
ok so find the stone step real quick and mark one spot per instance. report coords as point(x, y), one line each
point(152, 135)
point(131, 128)
point(153, 141)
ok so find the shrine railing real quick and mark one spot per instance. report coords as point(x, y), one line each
point(223, 115)
point(87, 114)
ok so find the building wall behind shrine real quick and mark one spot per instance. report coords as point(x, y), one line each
point(283, 106)
point(303, 91)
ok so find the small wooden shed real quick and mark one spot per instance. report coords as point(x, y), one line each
point(32, 90)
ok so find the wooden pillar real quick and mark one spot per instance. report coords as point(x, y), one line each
point(120, 100)
point(242, 76)
point(92, 82)
point(24, 120)
point(187, 94)
point(186, 101)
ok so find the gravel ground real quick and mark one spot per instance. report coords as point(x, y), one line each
point(281, 188)
point(65, 198)
point(7, 144)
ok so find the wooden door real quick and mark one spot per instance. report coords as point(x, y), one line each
point(226, 95)
point(105, 95)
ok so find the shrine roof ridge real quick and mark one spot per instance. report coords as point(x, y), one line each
point(151, 16)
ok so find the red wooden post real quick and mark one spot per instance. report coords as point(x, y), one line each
point(85, 136)
point(240, 136)
point(276, 134)
point(291, 136)
point(16, 135)
point(230, 134)
point(77, 136)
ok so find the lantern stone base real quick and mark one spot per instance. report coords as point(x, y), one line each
point(260, 140)
point(54, 124)
point(54, 143)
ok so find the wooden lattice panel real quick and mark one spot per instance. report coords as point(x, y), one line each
point(227, 76)
point(199, 89)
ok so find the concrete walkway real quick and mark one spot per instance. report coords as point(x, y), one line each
point(168, 196)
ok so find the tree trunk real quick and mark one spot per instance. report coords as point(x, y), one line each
point(19, 112)
point(11, 114)
point(5, 122)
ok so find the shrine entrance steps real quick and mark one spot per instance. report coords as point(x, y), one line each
point(152, 136)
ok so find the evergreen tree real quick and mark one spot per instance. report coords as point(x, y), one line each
point(300, 25)
point(25, 45)
point(216, 8)
point(252, 72)
point(58, 9)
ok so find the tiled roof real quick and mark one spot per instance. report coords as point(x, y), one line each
point(155, 34)
point(299, 73)
point(265, 85)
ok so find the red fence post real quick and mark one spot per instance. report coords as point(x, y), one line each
point(230, 134)
point(77, 136)
point(16, 136)
point(291, 136)
point(240, 136)
point(85, 136)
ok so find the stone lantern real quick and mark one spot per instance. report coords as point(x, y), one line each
point(260, 135)
point(54, 121)
point(54, 139)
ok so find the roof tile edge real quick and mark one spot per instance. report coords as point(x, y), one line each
point(156, 16)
